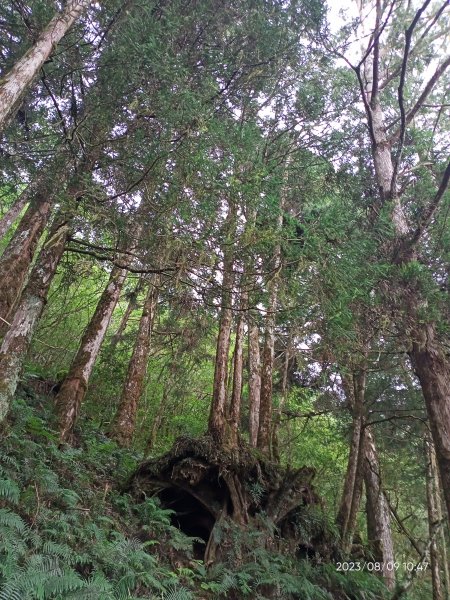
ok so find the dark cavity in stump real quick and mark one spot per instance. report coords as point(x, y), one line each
point(190, 516)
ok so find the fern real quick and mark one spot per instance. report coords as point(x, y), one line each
point(9, 490)
point(60, 550)
point(12, 520)
point(63, 584)
point(177, 593)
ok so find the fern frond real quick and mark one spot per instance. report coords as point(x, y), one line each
point(12, 520)
point(177, 593)
point(9, 490)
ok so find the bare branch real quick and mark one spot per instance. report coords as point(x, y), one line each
point(401, 86)
point(377, 35)
point(423, 96)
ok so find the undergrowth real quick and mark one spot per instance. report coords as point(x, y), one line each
point(67, 532)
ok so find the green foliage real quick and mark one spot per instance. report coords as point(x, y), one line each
point(66, 532)
point(57, 543)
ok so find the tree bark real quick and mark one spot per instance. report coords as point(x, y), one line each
point(283, 397)
point(15, 83)
point(74, 387)
point(432, 368)
point(217, 424)
point(378, 513)
point(125, 419)
point(265, 408)
point(131, 306)
point(236, 395)
point(352, 491)
point(433, 519)
point(18, 255)
point(428, 356)
point(254, 381)
point(18, 338)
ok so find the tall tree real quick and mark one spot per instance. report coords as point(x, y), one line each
point(74, 386)
point(15, 83)
point(354, 387)
point(378, 513)
point(18, 338)
point(268, 353)
point(376, 79)
point(254, 380)
point(124, 423)
point(218, 426)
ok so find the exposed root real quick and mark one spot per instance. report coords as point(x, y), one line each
point(207, 486)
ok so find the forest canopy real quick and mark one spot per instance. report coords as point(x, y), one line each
point(224, 299)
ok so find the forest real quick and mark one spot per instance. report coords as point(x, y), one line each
point(224, 299)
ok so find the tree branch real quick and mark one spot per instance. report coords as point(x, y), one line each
point(423, 96)
point(401, 86)
point(403, 587)
point(105, 258)
point(431, 209)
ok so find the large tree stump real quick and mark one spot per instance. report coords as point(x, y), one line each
point(208, 487)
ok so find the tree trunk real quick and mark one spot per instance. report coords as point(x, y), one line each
point(352, 492)
point(432, 368)
point(235, 404)
point(131, 306)
point(125, 419)
point(18, 255)
point(15, 83)
point(284, 392)
point(158, 420)
point(433, 519)
point(254, 382)
point(378, 513)
point(74, 387)
point(18, 338)
point(265, 408)
point(429, 359)
point(217, 424)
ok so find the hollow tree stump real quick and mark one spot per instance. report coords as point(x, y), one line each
point(209, 488)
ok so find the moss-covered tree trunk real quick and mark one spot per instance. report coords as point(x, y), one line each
point(124, 423)
point(351, 494)
point(12, 214)
point(18, 255)
point(378, 513)
point(18, 338)
point(238, 370)
point(432, 367)
point(433, 518)
point(73, 390)
point(217, 424)
point(254, 380)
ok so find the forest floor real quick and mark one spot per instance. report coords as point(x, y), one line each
point(68, 530)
